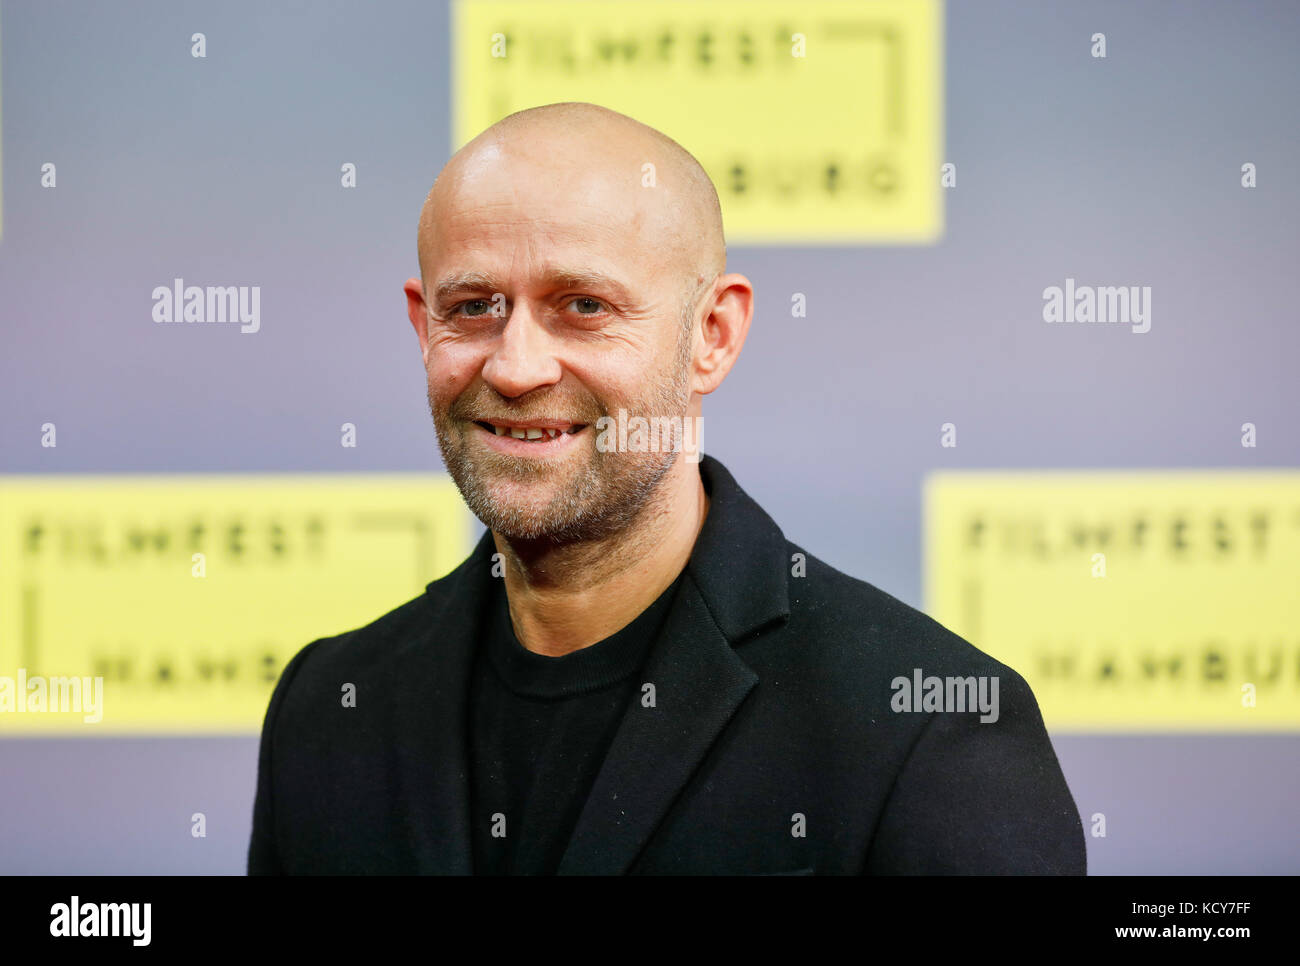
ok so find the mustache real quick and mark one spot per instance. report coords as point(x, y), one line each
point(478, 408)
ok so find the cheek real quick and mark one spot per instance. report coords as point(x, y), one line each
point(451, 366)
point(618, 370)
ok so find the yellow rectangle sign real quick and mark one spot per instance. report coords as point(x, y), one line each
point(818, 121)
point(1145, 601)
point(170, 604)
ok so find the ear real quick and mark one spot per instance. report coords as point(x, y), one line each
point(418, 313)
point(722, 331)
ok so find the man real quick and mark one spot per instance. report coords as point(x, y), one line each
point(634, 672)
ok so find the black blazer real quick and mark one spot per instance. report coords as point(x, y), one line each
point(771, 748)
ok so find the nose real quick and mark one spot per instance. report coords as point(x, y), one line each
point(523, 358)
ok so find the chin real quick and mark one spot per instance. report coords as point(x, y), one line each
point(526, 528)
point(525, 511)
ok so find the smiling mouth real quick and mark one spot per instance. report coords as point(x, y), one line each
point(531, 431)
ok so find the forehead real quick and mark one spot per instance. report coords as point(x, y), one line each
point(506, 210)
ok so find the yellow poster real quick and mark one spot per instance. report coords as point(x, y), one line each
point(1144, 601)
point(170, 604)
point(819, 121)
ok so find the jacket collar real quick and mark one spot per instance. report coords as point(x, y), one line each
point(739, 561)
point(736, 586)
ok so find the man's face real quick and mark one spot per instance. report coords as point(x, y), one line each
point(550, 306)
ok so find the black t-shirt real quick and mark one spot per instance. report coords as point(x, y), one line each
point(539, 730)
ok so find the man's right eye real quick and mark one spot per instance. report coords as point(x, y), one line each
point(476, 307)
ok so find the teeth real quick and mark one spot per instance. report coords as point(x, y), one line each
point(519, 432)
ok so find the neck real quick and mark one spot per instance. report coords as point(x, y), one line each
point(567, 597)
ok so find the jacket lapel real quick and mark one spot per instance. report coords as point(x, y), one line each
point(699, 683)
point(736, 584)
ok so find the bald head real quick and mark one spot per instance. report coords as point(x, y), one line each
point(587, 160)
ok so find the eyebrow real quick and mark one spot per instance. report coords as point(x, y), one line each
point(563, 278)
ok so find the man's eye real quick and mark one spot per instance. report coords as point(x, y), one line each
point(476, 307)
point(587, 306)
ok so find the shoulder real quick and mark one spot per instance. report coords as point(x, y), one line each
point(959, 733)
point(857, 623)
point(385, 646)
